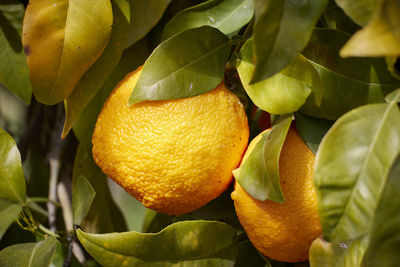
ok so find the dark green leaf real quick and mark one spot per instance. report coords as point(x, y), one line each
point(12, 181)
point(131, 59)
point(14, 73)
point(38, 254)
point(144, 16)
point(352, 159)
point(360, 11)
point(187, 243)
point(392, 96)
point(312, 130)
point(62, 41)
point(346, 83)
point(282, 29)
point(103, 216)
point(283, 93)
point(347, 253)
point(154, 221)
point(228, 16)
point(391, 65)
point(334, 18)
point(384, 241)
point(249, 256)
point(82, 197)
point(188, 64)
point(259, 173)
point(125, 7)
point(9, 212)
point(381, 37)
point(92, 80)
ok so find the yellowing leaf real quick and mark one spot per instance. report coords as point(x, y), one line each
point(62, 39)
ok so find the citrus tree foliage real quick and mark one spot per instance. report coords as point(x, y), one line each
point(332, 66)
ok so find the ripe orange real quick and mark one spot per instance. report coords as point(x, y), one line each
point(283, 231)
point(174, 156)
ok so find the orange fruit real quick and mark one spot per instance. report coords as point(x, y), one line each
point(174, 156)
point(283, 231)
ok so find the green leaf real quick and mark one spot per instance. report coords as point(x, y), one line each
point(103, 215)
point(8, 213)
point(381, 37)
point(125, 7)
point(92, 80)
point(131, 59)
point(12, 181)
point(259, 173)
point(347, 253)
point(312, 130)
point(392, 96)
point(284, 92)
point(384, 241)
point(187, 243)
point(248, 256)
point(62, 40)
point(282, 29)
point(38, 254)
point(350, 165)
point(14, 73)
point(334, 18)
point(228, 16)
point(188, 64)
point(391, 65)
point(345, 83)
point(359, 11)
point(154, 221)
point(144, 16)
point(82, 197)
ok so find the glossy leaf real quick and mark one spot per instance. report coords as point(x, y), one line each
point(345, 83)
point(350, 165)
point(144, 16)
point(38, 254)
point(312, 130)
point(14, 73)
point(384, 242)
point(283, 93)
point(347, 253)
point(103, 215)
point(359, 11)
point(228, 16)
point(282, 29)
point(259, 173)
point(62, 40)
point(92, 80)
point(187, 243)
point(82, 198)
point(188, 64)
point(12, 181)
point(130, 60)
point(9, 212)
point(381, 37)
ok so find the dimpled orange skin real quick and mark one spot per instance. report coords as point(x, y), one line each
point(173, 156)
point(283, 231)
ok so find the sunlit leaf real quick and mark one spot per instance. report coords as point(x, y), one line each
point(62, 40)
point(12, 181)
point(188, 64)
point(347, 253)
point(258, 174)
point(312, 130)
point(283, 93)
point(228, 16)
point(144, 15)
point(14, 73)
point(29, 254)
point(359, 11)
point(9, 212)
point(384, 239)
point(282, 29)
point(82, 198)
point(187, 243)
point(350, 165)
point(103, 215)
point(381, 37)
point(92, 80)
point(393, 96)
point(345, 83)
